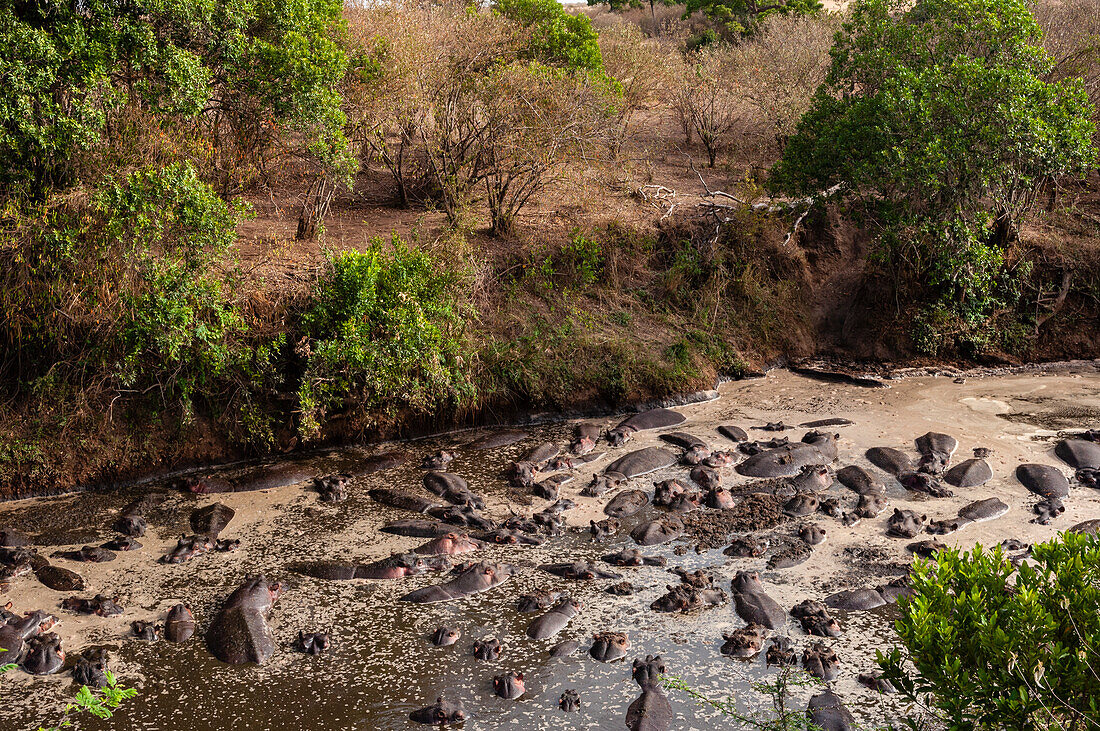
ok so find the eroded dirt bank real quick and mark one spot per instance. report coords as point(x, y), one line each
point(381, 666)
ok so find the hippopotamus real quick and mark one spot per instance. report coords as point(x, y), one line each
point(666, 492)
point(437, 460)
point(211, 520)
point(895, 589)
point(706, 477)
point(569, 701)
point(1088, 477)
point(642, 462)
point(905, 523)
point(987, 509)
point(891, 460)
point(465, 516)
point(143, 630)
point(601, 529)
point(449, 545)
point(822, 423)
point(753, 603)
point(936, 450)
point(509, 686)
point(479, 577)
point(100, 605)
point(762, 445)
point(495, 440)
point(521, 474)
point(603, 483)
point(626, 503)
point(269, 478)
point(946, 526)
point(565, 648)
point(855, 600)
point(651, 711)
point(815, 619)
point(16, 631)
point(579, 571)
point(746, 547)
point(609, 646)
point(1043, 480)
point(91, 669)
point(43, 654)
point(1079, 453)
point(180, 624)
point(584, 438)
point(453, 489)
point(831, 506)
point(877, 683)
point(209, 485)
point(821, 662)
point(332, 488)
point(187, 547)
point(400, 499)
point(623, 588)
point(828, 713)
point(505, 537)
point(58, 579)
point(644, 421)
point(773, 426)
point(924, 483)
point(719, 498)
point(397, 566)
point(788, 460)
point(695, 455)
point(555, 620)
point(312, 643)
point(633, 557)
point(812, 534)
point(121, 543)
point(733, 433)
point(547, 489)
point(239, 632)
point(13, 538)
point(780, 653)
point(661, 530)
point(721, 459)
point(926, 549)
point(859, 480)
point(811, 478)
point(87, 554)
point(870, 505)
point(789, 553)
point(687, 598)
point(1047, 510)
point(445, 636)
point(969, 473)
point(487, 649)
point(1091, 527)
point(801, 505)
point(745, 642)
point(131, 525)
point(441, 713)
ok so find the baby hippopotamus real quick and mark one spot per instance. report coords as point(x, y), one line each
point(312, 643)
point(445, 636)
point(441, 713)
point(609, 646)
point(509, 686)
point(570, 701)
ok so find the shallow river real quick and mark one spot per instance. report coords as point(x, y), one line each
point(381, 665)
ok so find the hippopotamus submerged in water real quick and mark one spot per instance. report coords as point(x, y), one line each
point(753, 603)
point(239, 632)
point(312, 643)
point(815, 619)
point(609, 646)
point(17, 630)
point(821, 661)
point(398, 566)
point(449, 545)
point(100, 605)
point(441, 713)
point(180, 624)
point(570, 701)
point(477, 578)
point(445, 636)
point(651, 711)
point(555, 620)
point(91, 669)
point(745, 642)
point(828, 713)
point(509, 686)
point(400, 499)
point(788, 460)
point(487, 649)
point(579, 571)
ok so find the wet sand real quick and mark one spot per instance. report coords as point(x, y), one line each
point(381, 666)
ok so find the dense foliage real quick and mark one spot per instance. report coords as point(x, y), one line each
point(556, 37)
point(740, 16)
point(999, 647)
point(938, 116)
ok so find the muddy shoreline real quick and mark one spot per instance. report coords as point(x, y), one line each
point(381, 666)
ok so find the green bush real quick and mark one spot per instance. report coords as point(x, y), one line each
point(384, 328)
point(996, 647)
point(586, 257)
point(557, 37)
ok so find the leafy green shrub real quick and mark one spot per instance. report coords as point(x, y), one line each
point(990, 651)
point(557, 37)
point(383, 328)
point(586, 258)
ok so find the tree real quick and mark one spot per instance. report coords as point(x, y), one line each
point(938, 117)
point(995, 652)
point(707, 100)
point(620, 5)
point(557, 38)
point(741, 16)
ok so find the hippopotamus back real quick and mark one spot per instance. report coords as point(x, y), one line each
point(240, 633)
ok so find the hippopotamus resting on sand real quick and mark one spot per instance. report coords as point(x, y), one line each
point(100, 605)
point(180, 624)
point(239, 632)
point(905, 523)
point(495, 440)
point(860, 481)
point(91, 669)
point(1079, 453)
point(651, 711)
point(58, 579)
point(43, 654)
point(652, 419)
point(441, 713)
point(626, 503)
point(969, 473)
point(855, 600)
point(753, 603)
point(642, 462)
point(891, 460)
point(268, 478)
point(733, 433)
point(400, 499)
point(187, 547)
point(477, 578)
point(17, 630)
point(935, 450)
point(87, 554)
point(987, 509)
point(1043, 480)
point(211, 520)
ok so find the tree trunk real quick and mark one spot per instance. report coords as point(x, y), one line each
point(315, 208)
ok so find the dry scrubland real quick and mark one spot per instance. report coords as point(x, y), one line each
point(563, 240)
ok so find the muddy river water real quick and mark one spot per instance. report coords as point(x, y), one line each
point(381, 666)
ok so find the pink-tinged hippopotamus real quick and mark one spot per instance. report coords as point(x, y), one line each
point(509, 685)
point(477, 578)
point(180, 624)
point(449, 545)
point(239, 632)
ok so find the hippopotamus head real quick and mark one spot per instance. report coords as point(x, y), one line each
point(608, 646)
point(445, 636)
point(747, 582)
point(443, 712)
point(44, 654)
point(648, 672)
point(487, 649)
point(509, 685)
point(91, 669)
point(257, 593)
point(569, 701)
point(312, 643)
